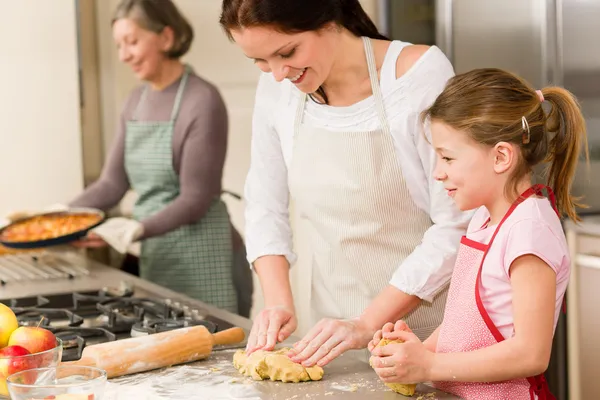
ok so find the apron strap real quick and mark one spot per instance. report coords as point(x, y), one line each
point(134, 116)
point(299, 113)
point(178, 97)
point(535, 189)
point(375, 86)
point(537, 384)
point(180, 91)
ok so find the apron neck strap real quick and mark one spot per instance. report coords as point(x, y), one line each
point(537, 189)
point(180, 90)
point(178, 96)
point(375, 87)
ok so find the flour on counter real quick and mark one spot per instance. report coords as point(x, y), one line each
point(187, 382)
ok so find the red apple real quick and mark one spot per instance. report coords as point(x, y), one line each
point(33, 338)
point(11, 360)
point(8, 324)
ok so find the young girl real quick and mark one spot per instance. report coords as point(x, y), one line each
point(489, 129)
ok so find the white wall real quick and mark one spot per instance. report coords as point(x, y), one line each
point(40, 150)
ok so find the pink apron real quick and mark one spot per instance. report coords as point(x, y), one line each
point(467, 325)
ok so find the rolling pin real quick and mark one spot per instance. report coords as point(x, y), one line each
point(145, 353)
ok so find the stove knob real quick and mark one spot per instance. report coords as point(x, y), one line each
point(177, 305)
point(186, 311)
point(195, 314)
point(168, 302)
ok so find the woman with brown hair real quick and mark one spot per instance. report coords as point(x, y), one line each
point(336, 126)
point(170, 149)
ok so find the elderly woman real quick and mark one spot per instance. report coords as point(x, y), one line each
point(170, 149)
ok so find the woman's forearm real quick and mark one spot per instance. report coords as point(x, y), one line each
point(389, 306)
point(274, 275)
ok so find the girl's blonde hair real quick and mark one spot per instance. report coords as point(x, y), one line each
point(492, 106)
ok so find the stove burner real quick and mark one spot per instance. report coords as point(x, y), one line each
point(74, 339)
point(104, 295)
point(28, 302)
point(138, 307)
point(43, 316)
point(164, 325)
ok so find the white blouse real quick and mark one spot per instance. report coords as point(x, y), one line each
point(268, 232)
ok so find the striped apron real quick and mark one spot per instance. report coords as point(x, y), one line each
point(362, 221)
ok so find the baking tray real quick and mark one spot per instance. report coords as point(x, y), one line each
point(56, 240)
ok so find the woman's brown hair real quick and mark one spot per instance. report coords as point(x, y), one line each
point(489, 105)
point(156, 15)
point(295, 16)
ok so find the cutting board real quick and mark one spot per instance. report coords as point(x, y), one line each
point(145, 353)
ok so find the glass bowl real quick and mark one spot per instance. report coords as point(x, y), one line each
point(58, 383)
point(12, 365)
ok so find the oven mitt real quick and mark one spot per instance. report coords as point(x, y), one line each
point(119, 232)
point(20, 214)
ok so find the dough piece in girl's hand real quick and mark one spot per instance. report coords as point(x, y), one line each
point(274, 365)
point(404, 389)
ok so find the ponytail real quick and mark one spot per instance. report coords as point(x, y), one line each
point(567, 123)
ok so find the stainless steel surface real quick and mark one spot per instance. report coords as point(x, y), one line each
point(558, 78)
point(38, 266)
point(213, 378)
point(383, 17)
point(445, 27)
point(582, 302)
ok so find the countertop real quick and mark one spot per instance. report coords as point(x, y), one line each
point(213, 378)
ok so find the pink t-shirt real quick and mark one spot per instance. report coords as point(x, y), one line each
point(533, 228)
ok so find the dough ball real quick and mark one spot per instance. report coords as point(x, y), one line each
point(406, 390)
point(274, 365)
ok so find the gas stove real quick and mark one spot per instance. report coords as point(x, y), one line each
point(91, 317)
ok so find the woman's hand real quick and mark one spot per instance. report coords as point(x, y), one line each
point(272, 325)
point(408, 362)
point(91, 241)
point(329, 339)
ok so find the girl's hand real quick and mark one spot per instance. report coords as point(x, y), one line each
point(408, 362)
point(387, 333)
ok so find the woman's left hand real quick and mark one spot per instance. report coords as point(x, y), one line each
point(329, 339)
point(408, 362)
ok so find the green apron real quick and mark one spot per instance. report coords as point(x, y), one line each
point(195, 260)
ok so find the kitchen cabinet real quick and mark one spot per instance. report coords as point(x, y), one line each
point(40, 155)
point(583, 298)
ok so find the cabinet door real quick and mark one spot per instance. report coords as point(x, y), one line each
point(40, 154)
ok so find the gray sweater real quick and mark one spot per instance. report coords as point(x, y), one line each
point(199, 149)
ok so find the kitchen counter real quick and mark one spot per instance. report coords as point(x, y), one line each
point(213, 378)
point(216, 379)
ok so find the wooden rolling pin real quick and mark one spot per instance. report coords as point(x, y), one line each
point(145, 353)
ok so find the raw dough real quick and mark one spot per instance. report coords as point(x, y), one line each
point(406, 390)
point(274, 365)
